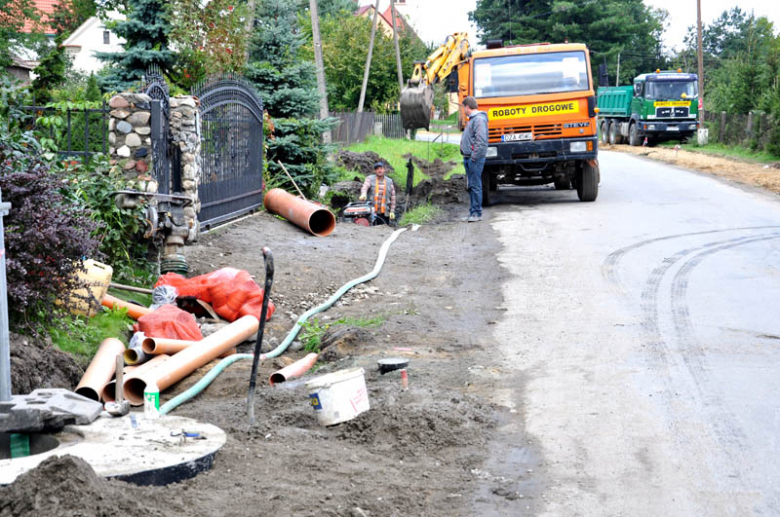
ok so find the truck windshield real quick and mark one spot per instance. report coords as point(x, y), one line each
point(666, 90)
point(530, 74)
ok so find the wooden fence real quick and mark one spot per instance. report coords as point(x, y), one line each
point(354, 127)
point(750, 130)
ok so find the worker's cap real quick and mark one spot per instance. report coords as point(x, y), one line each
point(378, 164)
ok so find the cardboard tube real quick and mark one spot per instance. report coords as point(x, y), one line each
point(109, 391)
point(133, 310)
point(191, 358)
point(140, 370)
point(313, 218)
point(161, 345)
point(101, 369)
point(296, 369)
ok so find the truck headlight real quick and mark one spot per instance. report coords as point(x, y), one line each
point(651, 126)
point(693, 126)
point(492, 152)
point(578, 147)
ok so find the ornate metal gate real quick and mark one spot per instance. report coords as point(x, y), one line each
point(231, 152)
point(155, 87)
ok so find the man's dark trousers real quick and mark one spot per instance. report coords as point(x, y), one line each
point(474, 177)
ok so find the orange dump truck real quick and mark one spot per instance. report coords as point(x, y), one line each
point(541, 109)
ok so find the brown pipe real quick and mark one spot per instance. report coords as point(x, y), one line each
point(161, 345)
point(153, 363)
point(109, 391)
point(101, 369)
point(133, 310)
point(191, 358)
point(313, 218)
point(296, 369)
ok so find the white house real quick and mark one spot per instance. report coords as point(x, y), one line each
point(91, 37)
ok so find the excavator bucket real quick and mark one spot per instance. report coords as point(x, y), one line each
point(416, 104)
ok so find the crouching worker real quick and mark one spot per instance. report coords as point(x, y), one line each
point(380, 191)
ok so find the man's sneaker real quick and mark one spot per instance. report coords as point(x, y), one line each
point(474, 218)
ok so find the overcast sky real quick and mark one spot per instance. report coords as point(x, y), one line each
point(434, 19)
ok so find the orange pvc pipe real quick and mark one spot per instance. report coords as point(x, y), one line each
point(101, 369)
point(151, 364)
point(109, 392)
point(161, 345)
point(133, 310)
point(313, 218)
point(296, 369)
point(191, 358)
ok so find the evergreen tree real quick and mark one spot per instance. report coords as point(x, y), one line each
point(146, 34)
point(288, 87)
point(50, 72)
point(287, 84)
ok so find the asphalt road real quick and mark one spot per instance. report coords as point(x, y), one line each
point(645, 328)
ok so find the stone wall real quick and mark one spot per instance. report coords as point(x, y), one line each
point(131, 145)
point(129, 136)
point(185, 132)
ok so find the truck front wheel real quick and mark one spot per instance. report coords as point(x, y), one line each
point(633, 135)
point(588, 182)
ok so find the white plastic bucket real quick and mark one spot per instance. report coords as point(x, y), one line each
point(338, 396)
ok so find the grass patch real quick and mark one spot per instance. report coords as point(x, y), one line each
point(313, 330)
point(393, 151)
point(420, 215)
point(727, 151)
point(81, 336)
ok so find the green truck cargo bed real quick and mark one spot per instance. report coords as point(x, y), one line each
point(615, 101)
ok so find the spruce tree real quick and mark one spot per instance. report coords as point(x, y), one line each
point(146, 34)
point(287, 84)
point(288, 87)
point(50, 72)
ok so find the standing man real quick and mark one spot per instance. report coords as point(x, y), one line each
point(381, 191)
point(473, 147)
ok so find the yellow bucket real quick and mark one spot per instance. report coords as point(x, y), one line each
point(86, 301)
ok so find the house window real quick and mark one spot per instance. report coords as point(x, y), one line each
point(106, 37)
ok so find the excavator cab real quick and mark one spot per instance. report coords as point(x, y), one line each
point(417, 98)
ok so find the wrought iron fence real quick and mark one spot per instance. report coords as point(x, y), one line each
point(85, 132)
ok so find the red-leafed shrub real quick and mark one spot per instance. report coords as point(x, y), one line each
point(45, 236)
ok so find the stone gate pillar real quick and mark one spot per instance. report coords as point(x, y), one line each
point(185, 134)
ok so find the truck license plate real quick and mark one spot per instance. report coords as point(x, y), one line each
point(515, 137)
point(672, 128)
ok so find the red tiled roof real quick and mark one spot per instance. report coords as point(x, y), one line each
point(45, 8)
point(363, 9)
point(399, 20)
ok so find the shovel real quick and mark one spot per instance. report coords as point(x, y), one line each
point(119, 407)
point(269, 281)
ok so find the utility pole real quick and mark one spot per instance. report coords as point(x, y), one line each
point(397, 49)
point(368, 59)
point(315, 29)
point(701, 64)
point(617, 79)
point(250, 24)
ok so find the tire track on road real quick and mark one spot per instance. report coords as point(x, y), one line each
point(730, 435)
point(649, 297)
point(610, 267)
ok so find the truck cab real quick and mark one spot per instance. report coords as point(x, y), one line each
point(541, 109)
point(660, 106)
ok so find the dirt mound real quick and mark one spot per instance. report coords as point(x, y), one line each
point(435, 169)
point(442, 192)
point(419, 426)
point(36, 363)
point(361, 162)
point(344, 192)
point(67, 486)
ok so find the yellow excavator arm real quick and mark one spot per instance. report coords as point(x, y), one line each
point(417, 97)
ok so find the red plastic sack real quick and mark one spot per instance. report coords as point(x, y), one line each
point(231, 292)
point(168, 321)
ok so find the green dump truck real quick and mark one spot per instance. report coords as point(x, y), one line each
point(660, 106)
